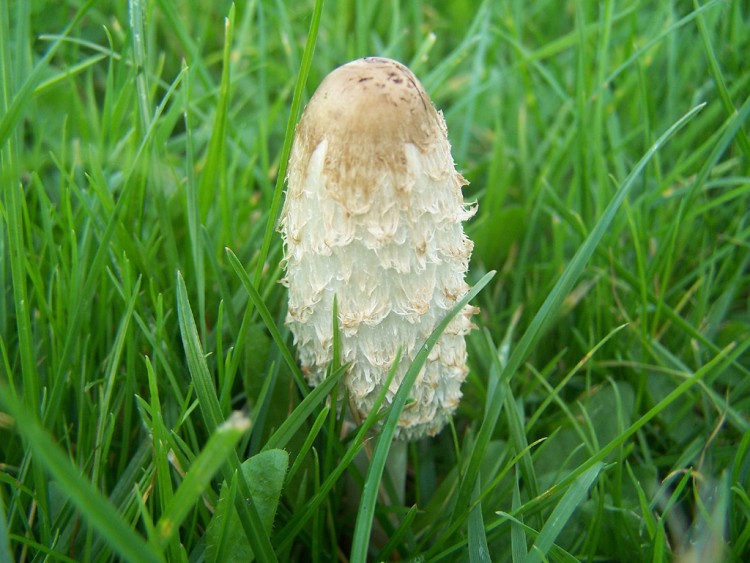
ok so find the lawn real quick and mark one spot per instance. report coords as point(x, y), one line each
point(151, 404)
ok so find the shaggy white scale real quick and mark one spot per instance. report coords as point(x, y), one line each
point(373, 215)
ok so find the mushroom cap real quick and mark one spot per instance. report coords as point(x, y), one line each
point(369, 101)
point(366, 110)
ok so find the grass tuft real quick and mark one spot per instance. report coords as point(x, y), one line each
point(604, 416)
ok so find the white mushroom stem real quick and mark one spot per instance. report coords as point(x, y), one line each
point(373, 215)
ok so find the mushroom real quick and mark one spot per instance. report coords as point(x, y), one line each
point(373, 216)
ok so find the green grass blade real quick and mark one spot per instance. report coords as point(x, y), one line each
point(212, 183)
point(716, 366)
point(93, 272)
point(575, 267)
point(98, 511)
point(566, 282)
point(643, 49)
point(5, 554)
point(294, 422)
point(518, 546)
point(192, 197)
point(477, 536)
point(571, 500)
point(138, 38)
point(265, 314)
point(198, 478)
point(299, 87)
point(398, 536)
point(15, 108)
point(496, 390)
point(518, 439)
point(363, 526)
point(177, 27)
point(355, 446)
point(202, 380)
point(718, 77)
point(13, 219)
point(105, 405)
point(558, 554)
point(311, 435)
point(568, 278)
point(212, 415)
point(160, 444)
point(649, 518)
point(69, 73)
point(732, 128)
point(290, 531)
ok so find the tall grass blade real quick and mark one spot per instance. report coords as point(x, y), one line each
point(721, 85)
point(576, 265)
point(355, 446)
point(294, 422)
point(265, 314)
point(199, 476)
point(15, 107)
point(212, 182)
point(477, 536)
point(518, 546)
point(202, 380)
point(560, 291)
point(299, 87)
point(212, 415)
point(571, 500)
point(5, 554)
point(98, 511)
point(363, 526)
point(715, 366)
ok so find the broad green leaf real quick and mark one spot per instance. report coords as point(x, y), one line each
point(264, 473)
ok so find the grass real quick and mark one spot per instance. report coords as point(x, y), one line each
point(605, 417)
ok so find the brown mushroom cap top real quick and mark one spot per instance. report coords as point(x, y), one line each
point(367, 111)
point(373, 97)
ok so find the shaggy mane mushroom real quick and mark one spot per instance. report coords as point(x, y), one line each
point(373, 215)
